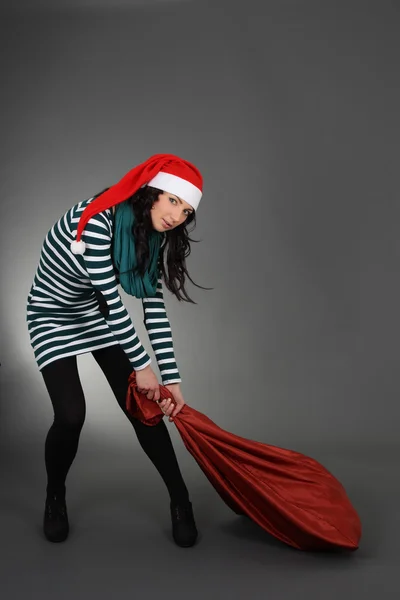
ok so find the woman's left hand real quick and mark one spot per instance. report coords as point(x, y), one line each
point(167, 406)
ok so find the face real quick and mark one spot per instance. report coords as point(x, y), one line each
point(169, 211)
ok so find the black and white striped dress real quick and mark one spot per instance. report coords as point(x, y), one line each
point(63, 312)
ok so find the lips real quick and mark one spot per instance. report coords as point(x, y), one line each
point(166, 223)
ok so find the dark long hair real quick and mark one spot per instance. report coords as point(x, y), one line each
point(175, 247)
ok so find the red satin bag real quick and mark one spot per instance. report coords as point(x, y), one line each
point(289, 495)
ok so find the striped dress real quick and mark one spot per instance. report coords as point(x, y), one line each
point(64, 312)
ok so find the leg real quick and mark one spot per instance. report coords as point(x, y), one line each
point(155, 440)
point(64, 387)
point(63, 384)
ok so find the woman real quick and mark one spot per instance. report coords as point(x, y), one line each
point(123, 235)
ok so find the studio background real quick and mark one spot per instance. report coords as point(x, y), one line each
point(290, 110)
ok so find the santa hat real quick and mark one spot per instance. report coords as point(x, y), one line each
point(163, 171)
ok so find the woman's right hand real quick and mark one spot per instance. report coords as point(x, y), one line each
point(147, 383)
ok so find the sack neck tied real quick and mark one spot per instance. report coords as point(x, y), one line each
point(124, 254)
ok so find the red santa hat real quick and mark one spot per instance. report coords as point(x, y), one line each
point(164, 171)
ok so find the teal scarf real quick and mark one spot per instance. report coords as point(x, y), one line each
point(124, 254)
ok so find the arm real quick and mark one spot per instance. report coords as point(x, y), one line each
point(160, 336)
point(98, 262)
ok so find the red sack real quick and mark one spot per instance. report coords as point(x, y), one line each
point(289, 495)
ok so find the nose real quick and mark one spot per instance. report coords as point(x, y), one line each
point(176, 215)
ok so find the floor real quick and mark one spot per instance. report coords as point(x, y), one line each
point(120, 543)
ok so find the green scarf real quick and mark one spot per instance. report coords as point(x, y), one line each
point(124, 254)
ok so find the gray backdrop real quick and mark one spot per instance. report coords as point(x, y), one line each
point(290, 110)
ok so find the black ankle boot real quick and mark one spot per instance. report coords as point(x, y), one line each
point(184, 529)
point(55, 522)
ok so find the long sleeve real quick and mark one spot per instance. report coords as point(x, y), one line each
point(160, 335)
point(97, 236)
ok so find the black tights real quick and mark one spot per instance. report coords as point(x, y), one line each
point(62, 381)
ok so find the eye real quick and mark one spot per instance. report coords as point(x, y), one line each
point(186, 211)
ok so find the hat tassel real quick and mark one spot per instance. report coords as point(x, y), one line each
point(78, 247)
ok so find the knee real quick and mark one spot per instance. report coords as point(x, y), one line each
point(70, 421)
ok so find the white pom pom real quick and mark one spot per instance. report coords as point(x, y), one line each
point(78, 247)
